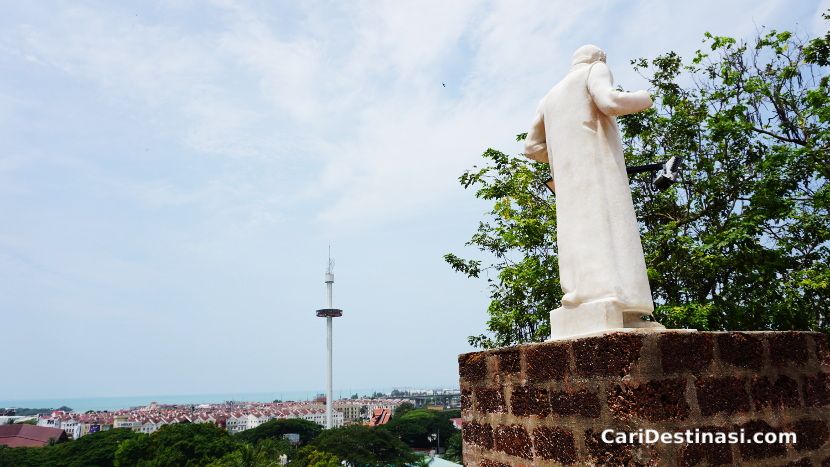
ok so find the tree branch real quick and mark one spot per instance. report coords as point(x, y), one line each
point(779, 137)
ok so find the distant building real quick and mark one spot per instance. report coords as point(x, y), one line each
point(390, 404)
point(353, 411)
point(16, 436)
point(150, 425)
point(232, 416)
point(445, 398)
point(94, 426)
point(123, 421)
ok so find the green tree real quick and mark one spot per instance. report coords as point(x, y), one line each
point(415, 427)
point(743, 242)
point(94, 449)
point(180, 444)
point(451, 413)
point(313, 458)
point(362, 445)
point(265, 454)
point(279, 427)
point(403, 409)
point(519, 237)
point(454, 451)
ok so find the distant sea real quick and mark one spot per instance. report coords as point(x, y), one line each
point(79, 404)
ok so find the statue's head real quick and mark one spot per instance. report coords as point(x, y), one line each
point(588, 54)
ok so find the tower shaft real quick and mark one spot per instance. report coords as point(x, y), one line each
point(328, 372)
point(329, 376)
point(329, 313)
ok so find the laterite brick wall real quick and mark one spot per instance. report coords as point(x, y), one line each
point(546, 404)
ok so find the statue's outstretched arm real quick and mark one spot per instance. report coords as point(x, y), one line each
point(536, 146)
point(610, 101)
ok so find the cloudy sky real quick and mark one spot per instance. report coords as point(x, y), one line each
point(172, 173)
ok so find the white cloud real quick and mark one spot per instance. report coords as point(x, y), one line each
point(355, 94)
point(819, 24)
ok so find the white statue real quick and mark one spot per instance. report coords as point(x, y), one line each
point(601, 265)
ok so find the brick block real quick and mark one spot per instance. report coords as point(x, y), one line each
point(655, 400)
point(509, 361)
point(741, 350)
point(529, 400)
point(788, 348)
point(810, 434)
point(472, 367)
point(707, 453)
point(513, 440)
point(685, 352)
point(822, 349)
point(750, 451)
point(466, 400)
point(548, 361)
point(478, 434)
point(554, 443)
point(490, 400)
point(803, 462)
point(722, 395)
point(548, 403)
point(489, 463)
point(781, 393)
point(602, 453)
point(817, 390)
point(582, 402)
point(609, 355)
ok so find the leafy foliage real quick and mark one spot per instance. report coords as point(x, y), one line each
point(743, 242)
point(415, 427)
point(454, 451)
point(277, 428)
point(362, 445)
point(266, 454)
point(94, 449)
point(520, 236)
point(313, 458)
point(403, 409)
point(186, 444)
point(180, 444)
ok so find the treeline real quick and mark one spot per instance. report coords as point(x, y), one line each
point(26, 412)
point(186, 444)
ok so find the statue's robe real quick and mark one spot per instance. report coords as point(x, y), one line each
point(600, 254)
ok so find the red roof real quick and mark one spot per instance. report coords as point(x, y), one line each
point(380, 417)
point(23, 435)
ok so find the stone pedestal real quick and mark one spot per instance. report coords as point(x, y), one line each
point(547, 404)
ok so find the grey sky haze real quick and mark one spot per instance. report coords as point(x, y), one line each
point(172, 172)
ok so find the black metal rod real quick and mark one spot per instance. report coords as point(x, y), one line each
point(643, 168)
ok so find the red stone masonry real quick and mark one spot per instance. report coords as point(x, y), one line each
point(547, 404)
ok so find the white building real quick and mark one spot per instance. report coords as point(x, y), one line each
point(240, 422)
point(71, 427)
point(150, 425)
point(124, 422)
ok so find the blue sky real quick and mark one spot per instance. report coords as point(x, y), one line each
point(171, 174)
